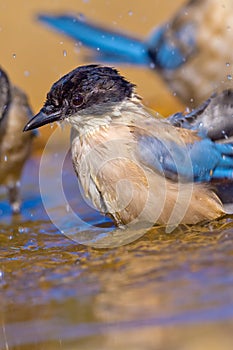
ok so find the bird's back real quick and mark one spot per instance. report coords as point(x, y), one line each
point(117, 180)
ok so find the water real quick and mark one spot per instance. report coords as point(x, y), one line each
point(163, 291)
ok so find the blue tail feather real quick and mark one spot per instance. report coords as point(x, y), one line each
point(223, 174)
point(160, 50)
point(190, 162)
point(106, 42)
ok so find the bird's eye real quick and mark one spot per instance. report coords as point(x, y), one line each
point(77, 100)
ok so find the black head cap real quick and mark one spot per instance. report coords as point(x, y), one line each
point(86, 88)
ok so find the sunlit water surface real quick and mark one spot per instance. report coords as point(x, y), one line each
point(163, 291)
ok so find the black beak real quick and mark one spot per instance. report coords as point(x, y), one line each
point(41, 119)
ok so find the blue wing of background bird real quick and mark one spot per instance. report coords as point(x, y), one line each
point(159, 51)
point(191, 51)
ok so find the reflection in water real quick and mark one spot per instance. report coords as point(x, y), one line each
point(165, 291)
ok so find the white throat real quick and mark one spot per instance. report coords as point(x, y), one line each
point(84, 122)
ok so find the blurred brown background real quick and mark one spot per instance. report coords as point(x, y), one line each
point(35, 57)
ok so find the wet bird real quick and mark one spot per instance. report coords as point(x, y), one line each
point(132, 164)
point(192, 51)
point(15, 146)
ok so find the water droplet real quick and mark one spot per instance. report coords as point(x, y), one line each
point(2, 280)
point(224, 134)
point(229, 77)
point(191, 100)
point(14, 55)
point(130, 13)
point(5, 158)
point(61, 42)
point(81, 17)
point(152, 65)
point(76, 48)
point(21, 229)
point(64, 53)
point(227, 64)
point(26, 73)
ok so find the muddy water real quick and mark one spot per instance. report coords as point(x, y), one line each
point(162, 291)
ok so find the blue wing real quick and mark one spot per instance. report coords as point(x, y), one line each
point(202, 160)
point(162, 50)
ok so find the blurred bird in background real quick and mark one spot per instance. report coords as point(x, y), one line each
point(192, 52)
point(213, 118)
point(15, 146)
point(131, 165)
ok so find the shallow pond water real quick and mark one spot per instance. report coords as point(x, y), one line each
point(162, 291)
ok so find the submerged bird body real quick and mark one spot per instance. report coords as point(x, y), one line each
point(131, 165)
point(15, 146)
point(192, 52)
